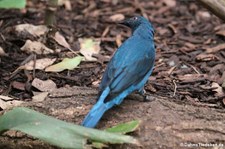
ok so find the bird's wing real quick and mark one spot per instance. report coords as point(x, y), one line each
point(132, 74)
point(123, 72)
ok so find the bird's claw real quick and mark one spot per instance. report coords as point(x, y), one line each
point(148, 98)
point(141, 95)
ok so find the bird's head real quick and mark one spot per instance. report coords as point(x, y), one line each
point(136, 22)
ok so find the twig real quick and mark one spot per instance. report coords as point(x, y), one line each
point(175, 88)
point(15, 72)
point(215, 6)
point(193, 68)
point(34, 59)
point(171, 70)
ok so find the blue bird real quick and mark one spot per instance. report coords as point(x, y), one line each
point(127, 71)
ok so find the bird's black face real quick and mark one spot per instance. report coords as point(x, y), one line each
point(133, 22)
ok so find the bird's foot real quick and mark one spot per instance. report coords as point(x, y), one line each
point(141, 96)
point(148, 98)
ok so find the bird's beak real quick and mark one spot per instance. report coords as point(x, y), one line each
point(124, 22)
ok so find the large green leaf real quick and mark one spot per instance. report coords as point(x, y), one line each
point(57, 132)
point(12, 3)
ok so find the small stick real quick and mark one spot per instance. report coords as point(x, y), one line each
point(175, 88)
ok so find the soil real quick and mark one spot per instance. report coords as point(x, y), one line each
point(187, 84)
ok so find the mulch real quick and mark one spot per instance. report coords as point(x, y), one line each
point(190, 61)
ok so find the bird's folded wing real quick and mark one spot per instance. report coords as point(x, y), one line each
point(122, 78)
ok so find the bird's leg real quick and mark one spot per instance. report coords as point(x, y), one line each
point(141, 95)
point(145, 95)
point(142, 91)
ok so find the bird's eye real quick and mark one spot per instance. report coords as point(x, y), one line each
point(135, 18)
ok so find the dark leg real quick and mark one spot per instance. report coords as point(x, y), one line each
point(147, 97)
point(141, 95)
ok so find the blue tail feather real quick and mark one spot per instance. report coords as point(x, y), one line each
point(97, 110)
point(95, 115)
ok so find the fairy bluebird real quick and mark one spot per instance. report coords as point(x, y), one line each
point(127, 71)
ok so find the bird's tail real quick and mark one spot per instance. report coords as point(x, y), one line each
point(95, 115)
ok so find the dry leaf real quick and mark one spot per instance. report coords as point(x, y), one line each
point(218, 89)
point(221, 33)
point(170, 3)
point(18, 85)
point(61, 40)
point(67, 63)
point(89, 47)
point(117, 17)
point(40, 64)
point(66, 3)
point(31, 29)
point(190, 45)
point(40, 97)
point(9, 104)
point(173, 28)
point(206, 57)
point(216, 48)
point(191, 77)
point(6, 98)
point(118, 40)
point(2, 52)
point(106, 31)
point(223, 101)
point(96, 83)
point(162, 30)
point(44, 86)
point(36, 47)
point(203, 15)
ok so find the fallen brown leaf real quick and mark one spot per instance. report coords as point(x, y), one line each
point(117, 17)
point(44, 86)
point(18, 85)
point(36, 47)
point(40, 97)
point(218, 89)
point(118, 40)
point(2, 52)
point(9, 104)
point(191, 77)
point(170, 3)
point(216, 48)
point(31, 29)
point(61, 40)
point(39, 64)
point(221, 33)
point(66, 3)
point(206, 57)
point(6, 98)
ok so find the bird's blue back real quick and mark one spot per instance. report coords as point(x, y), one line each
point(127, 71)
point(129, 65)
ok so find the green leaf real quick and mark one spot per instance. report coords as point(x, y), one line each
point(99, 145)
point(48, 129)
point(12, 4)
point(125, 127)
point(120, 129)
point(88, 47)
point(67, 63)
